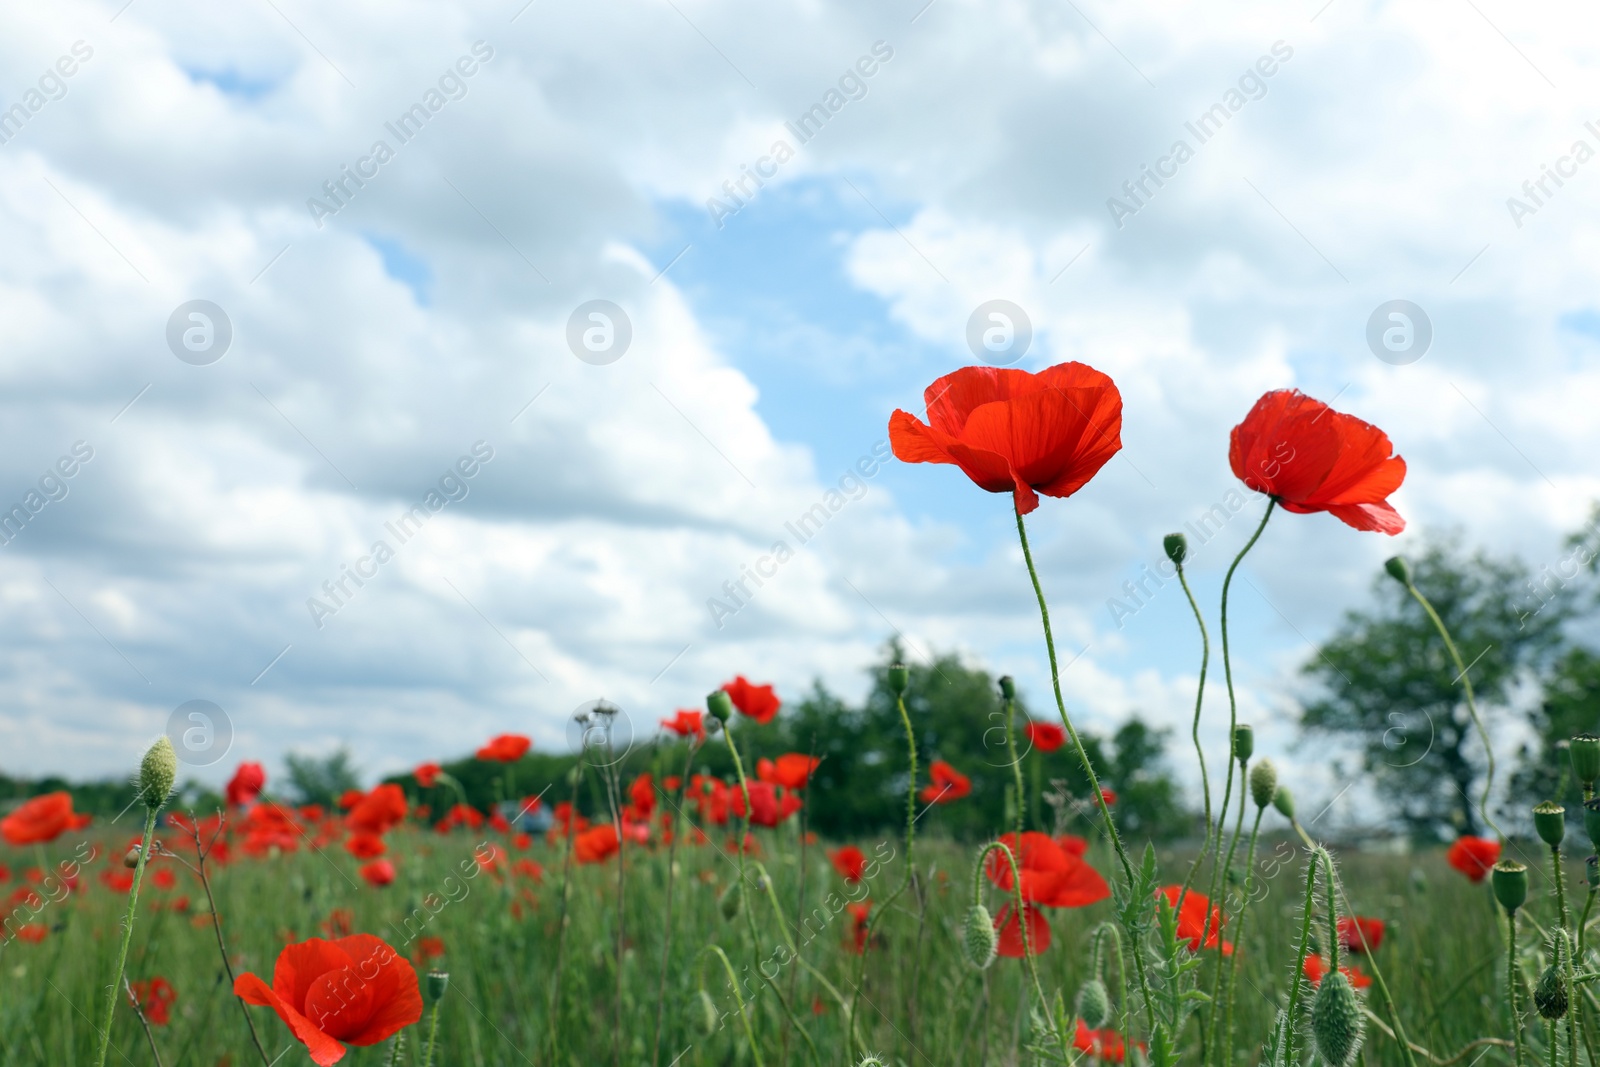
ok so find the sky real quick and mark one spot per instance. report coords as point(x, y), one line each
point(398, 222)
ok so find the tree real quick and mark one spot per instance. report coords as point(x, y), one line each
point(1570, 705)
point(1385, 679)
point(321, 779)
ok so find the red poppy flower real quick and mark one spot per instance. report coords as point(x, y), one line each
point(350, 798)
point(642, 793)
point(1045, 736)
point(1109, 796)
point(1012, 431)
point(44, 818)
point(948, 784)
point(686, 724)
point(528, 869)
point(765, 809)
point(429, 949)
point(1107, 1045)
point(339, 924)
point(1073, 845)
point(379, 873)
point(1198, 921)
point(1010, 943)
point(365, 846)
point(246, 784)
point(154, 999)
point(1309, 458)
point(522, 842)
point(596, 845)
point(792, 770)
point(759, 702)
point(460, 815)
point(850, 862)
point(1050, 875)
point(1473, 856)
point(117, 881)
point(378, 811)
point(1316, 968)
point(32, 933)
point(859, 914)
point(1360, 934)
point(427, 774)
point(507, 748)
point(355, 990)
point(312, 812)
point(163, 878)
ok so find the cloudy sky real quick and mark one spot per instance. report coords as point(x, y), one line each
point(397, 315)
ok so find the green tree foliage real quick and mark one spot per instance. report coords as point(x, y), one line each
point(1385, 680)
point(321, 779)
point(1570, 705)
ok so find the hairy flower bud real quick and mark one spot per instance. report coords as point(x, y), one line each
point(979, 940)
point(719, 704)
point(1550, 820)
point(899, 679)
point(1244, 742)
point(1510, 881)
point(1399, 570)
point(1177, 547)
point(157, 772)
point(705, 1013)
point(730, 901)
point(1336, 1022)
point(1263, 783)
point(1283, 800)
point(1585, 752)
point(1008, 687)
point(1094, 1004)
point(869, 1060)
point(1550, 992)
point(434, 985)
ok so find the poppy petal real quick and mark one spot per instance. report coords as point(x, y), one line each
point(324, 1050)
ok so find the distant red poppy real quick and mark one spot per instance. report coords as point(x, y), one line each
point(596, 845)
point(1309, 458)
point(339, 923)
point(1106, 1045)
point(642, 797)
point(506, 748)
point(1010, 943)
point(378, 811)
point(246, 784)
point(356, 990)
point(1473, 856)
point(759, 702)
point(1198, 921)
point(522, 842)
point(428, 950)
point(850, 862)
point(792, 770)
point(427, 774)
point(528, 869)
point(1109, 796)
point(1316, 969)
point(686, 724)
point(379, 873)
point(765, 807)
point(948, 784)
point(117, 881)
point(1360, 934)
point(154, 999)
point(350, 798)
point(163, 878)
point(32, 933)
point(1050, 875)
point(41, 819)
point(460, 815)
point(859, 914)
point(1045, 736)
point(1012, 431)
point(365, 846)
point(312, 812)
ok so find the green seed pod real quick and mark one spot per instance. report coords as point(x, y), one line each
point(719, 704)
point(1550, 820)
point(1585, 750)
point(1510, 881)
point(1094, 1004)
point(157, 772)
point(899, 678)
point(1244, 742)
point(1336, 1022)
point(1008, 687)
point(1177, 547)
point(1399, 570)
point(435, 985)
point(980, 940)
point(1263, 783)
point(705, 1013)
point(730, 901)
point(1283, 800)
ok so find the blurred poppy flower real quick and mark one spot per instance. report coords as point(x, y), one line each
point(1012, 431)
point(459, 815)
point(507, 748)
point(428, 950)
point(32, 933)
point(41, 819)
point(849, 862)
point(163, 878)
point(427, 774)
point(1473, 856)
point(1309, 458)
point(686, 724)
point(378, 811)
point(1010, 943)
point(1360, 934)
point(596, 845)
point(365, 846)
point(1316, 968)
point(1050, 875)
point(312, 812)
point(1198, 921)
point(529, 869)
point(859, 914)
point(792, 770)
point(154, 999)
point(246, 784)
point(378, 873)
point(765, 808)
point(522, 842)
point(339, 923)
point(117, 881)
point(355, 990)
point(759, 702)
point(642, 797)
point(948, 784)
point(1073, 845)
point(1106, 1045)
point(1045, 736)
point(1109, 796)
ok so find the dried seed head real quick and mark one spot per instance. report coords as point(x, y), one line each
point(1585, 751)
point(705, 1013)
point(1094, 1004)
point(435, 985)
point(899, 679)
point(1550, 820)
point(980, 940)
point(1336, 1023)
point(1399, 570)
point(1263, 783)
point(1283, 800)
point(1510, 881)
point(1176, 546)
point(719, 704)
point(157, 772)
point(1244, 742)
point(731, 900)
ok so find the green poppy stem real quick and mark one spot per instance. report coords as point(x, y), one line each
point(127, 933)
point(1297, 983)
point(1511, 986)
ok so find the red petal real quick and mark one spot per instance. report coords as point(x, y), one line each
point(1010, 944)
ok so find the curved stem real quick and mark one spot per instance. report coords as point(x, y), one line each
point(1199, 751)
point(1297, 983)
point(733, 983)
point(1022, 925)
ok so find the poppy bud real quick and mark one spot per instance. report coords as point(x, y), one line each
point(131, 860)
point(1336, 1022)
point(899, 678)
point(1591, 821)
point(1585, 749)
point(1550, 820)
point(1094, 1004)
point(1008, 687)
point(730, 900)
point(1283, 800)
point(1510, 880)
point(869, 1060)
point(1550, 992)
point(434, 986)
point(1263, 783)
point(1399, 570)
point(1591, 871)
point(705, 1013)
point(980, 939)
point(157, 772)
point(1177, 547)
point(1244, 742)
point(719, 704)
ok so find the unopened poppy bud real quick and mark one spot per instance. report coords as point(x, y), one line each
point(1008, 687)
point(1336, 1022)
point(1585, 749)
point(1283, 800)
point(1550, 992)
point(1550, 820)
point(157, 771)
point(719, 704)
point(705, 1013)
point(980, 940)
point(729, 902)
point(1244, 742)
point(1591, 871)
point(1510, 880)
point(131, 859)
point(869, 1060)
point(1094, 1004)
point(1591, 821)
point(1263, 783)
point(899, 678)
point(434, 986)
point(1177, 547)
point(1399, 570)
